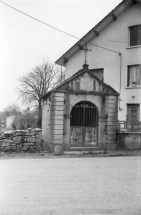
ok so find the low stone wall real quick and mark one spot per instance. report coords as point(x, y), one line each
point(20, 140)
point(129, 140)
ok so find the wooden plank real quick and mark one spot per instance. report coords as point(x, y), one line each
point(114, 16)
point(65, 60)
point(80, 46)
point(96, 32)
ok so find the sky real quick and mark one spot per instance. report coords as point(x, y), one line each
point(24, 42)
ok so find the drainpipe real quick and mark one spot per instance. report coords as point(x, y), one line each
point(105, 145)
point(120, 81)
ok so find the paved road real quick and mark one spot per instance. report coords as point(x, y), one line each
point(70, 186)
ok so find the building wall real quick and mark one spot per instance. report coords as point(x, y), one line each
point(100, 58)
point(56, 120)
point(57, 112)
point(46, 110)
point(129, 140)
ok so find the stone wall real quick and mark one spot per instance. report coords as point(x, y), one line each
point(21, 141)
point(129, 140)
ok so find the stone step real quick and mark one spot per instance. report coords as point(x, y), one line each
point(84, 149)
point(82, 152)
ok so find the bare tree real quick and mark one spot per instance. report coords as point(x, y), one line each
point(25, 120)
point(12, 110)
point(38, 82)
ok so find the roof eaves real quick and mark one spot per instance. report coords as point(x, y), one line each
point(86, 35)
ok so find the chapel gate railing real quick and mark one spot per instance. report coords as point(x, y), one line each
point(134, 126)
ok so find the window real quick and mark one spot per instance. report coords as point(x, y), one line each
point(134, 76)
point(135, 35)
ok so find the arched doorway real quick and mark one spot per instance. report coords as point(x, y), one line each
point(84, 125)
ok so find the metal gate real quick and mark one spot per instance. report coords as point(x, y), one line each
point(84, 125)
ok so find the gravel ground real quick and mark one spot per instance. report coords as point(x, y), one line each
point(66, 154)
point(70, 186)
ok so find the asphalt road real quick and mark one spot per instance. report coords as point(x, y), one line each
point(70, 186)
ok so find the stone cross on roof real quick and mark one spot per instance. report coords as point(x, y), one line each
point(86, 50)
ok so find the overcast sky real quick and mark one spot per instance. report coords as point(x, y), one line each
point(25, 42)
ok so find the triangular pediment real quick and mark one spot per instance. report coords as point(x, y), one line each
point(84, 82)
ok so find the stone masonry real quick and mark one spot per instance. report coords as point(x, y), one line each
point(21, 141)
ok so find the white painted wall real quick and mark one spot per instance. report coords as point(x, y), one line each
point(100, 58)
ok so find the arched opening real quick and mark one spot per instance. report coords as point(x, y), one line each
point(84, 125)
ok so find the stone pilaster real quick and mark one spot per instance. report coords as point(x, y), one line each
point(56, 122)
point(112, 121)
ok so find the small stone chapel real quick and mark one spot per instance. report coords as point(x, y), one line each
point(82, 112)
